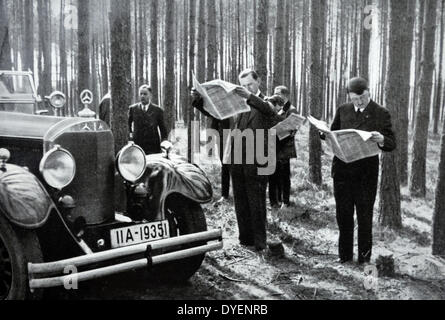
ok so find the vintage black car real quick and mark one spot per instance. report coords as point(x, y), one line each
point(58, 219)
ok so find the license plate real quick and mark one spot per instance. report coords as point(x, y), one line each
point(139, 234)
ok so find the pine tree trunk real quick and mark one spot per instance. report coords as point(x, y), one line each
point(438, 101)
point(184, 71)
point(396, 98)
point(418, 63)
point(191, 55)
point(365, 41)
point(316, 88)
point(44, 49)
point(154, 49)
point(405, 54)
point(5, 48)
point(83, 34)
point(418, 169)
point(439, 208)
point(28, 45)
point(212, 53)
point(120, 70)
point(170, 83)
point(278, 54)
point(261, 42)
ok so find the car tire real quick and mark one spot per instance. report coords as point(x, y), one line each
point(17, 248)
point(185, 217)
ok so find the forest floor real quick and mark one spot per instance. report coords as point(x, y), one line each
point(308, 231)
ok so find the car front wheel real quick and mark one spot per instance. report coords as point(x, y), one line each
point(185, 217)
point(17, 248)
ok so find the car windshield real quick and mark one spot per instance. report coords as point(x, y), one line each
point(14, 86)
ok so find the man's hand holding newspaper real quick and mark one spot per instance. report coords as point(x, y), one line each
point(289, 126)
point(350, 145)
point(222, 99)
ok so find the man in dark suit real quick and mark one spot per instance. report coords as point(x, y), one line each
point(355, 184)
point(249, 184)
point(146, 123)
point(279, 182)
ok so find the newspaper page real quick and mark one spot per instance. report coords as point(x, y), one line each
point(292, 123)
point(220, 100)
point(348, 145)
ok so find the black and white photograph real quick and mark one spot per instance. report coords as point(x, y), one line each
point(222, 154)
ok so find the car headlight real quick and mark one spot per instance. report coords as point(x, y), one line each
point(131, 162)
point(58, 167)
point(57, 99)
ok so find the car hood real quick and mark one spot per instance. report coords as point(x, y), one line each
point(46, 128)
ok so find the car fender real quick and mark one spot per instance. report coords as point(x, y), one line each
point(23, 199)
point(165, 177)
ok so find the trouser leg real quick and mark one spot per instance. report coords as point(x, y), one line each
point(273, 188)
point(285, 181)
point(344, 199)
point(241, 205)
point(225, 181)
point(366, 192)
point(256, 198)
point(225, 172)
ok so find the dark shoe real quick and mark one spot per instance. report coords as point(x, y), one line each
point(344, 260)
point(286, 205)
point(275, 205)
point(260, 248)
point(246, 243)
point(364, 261)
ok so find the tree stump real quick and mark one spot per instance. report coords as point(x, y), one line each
point(385, 266)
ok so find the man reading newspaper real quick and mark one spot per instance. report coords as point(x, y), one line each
point(220, 98)
point(249, 182)
point(356, 176)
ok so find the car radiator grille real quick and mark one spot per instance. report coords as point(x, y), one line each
point(93, 185)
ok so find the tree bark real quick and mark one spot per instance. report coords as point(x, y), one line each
point(315, 89)
point(438, 100)
point(170, 83)
point(5, 47)
point(396, 99)
point(365, 41)
point(439, 208)
point(83, 58)
point(261, 42)
point(212, 53)
point(278, 55)
point(418, 171)
point(44, 87)
point(120, 70)
point(405, 54)
point(191, 112)
point(154, 49)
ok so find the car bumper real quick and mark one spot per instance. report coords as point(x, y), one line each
point(54, 274)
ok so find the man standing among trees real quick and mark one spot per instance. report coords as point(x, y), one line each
point(249, 187)
point(279, 182)
point(146, 121)
point(355, 184)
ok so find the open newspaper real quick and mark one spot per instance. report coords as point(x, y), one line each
point(348, 145)
point(220, 99)
point(286, 127)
